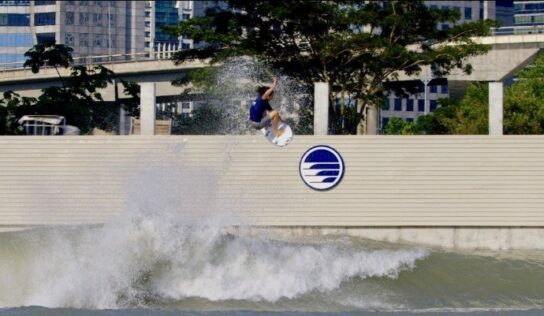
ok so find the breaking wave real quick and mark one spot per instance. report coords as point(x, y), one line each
point(157, 252)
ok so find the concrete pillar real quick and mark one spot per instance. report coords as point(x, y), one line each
point(495, 108)
point(147, 108)
point(321, 108)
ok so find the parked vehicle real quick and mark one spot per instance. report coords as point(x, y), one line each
point(47, 125)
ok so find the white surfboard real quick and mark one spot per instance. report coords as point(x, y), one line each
point(284, 139)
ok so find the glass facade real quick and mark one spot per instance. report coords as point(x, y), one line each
point(166, 13)
point(14, 19)
point(16, 40)
point(44, 2)
point(89, 27)
point(8, 3)
point(43, 38)
point(44, 18)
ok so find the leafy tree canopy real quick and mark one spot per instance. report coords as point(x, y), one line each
point(356, 46)
point(523, 109)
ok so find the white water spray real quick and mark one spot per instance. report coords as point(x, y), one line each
point(175, 242)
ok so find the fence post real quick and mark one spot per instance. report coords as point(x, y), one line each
point(321, 108)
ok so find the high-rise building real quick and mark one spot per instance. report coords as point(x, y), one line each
point(91, 28)
point(193, 8)
point(160, 13)
point(528, 13)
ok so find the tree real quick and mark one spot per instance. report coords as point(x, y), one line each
point(524, 101)
point(468, 116)
point(523, 109)
point(78, 99)
point(356, 46)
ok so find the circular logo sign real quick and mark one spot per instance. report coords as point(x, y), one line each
point(321, 168)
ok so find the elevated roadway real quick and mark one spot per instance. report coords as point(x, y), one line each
point(509, 54)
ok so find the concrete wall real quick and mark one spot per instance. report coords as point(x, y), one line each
point(453, 182)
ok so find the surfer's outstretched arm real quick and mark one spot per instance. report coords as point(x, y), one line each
point(270, 90)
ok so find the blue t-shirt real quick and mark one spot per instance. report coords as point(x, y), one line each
point(256, 112)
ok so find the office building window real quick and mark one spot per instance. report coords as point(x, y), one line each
point(69, 18)
point(69, 39)
point(146, 44)
point(385, 120)
point(398, 104)
point(7, 3)
point(14, 19)
point(185, 16)
point(83, 18)
point(522, 19)
point(44, 2)
point(110, 42)
point(444, 88)
point(410, 105)
point(433, 104)
point(97, 19)
point(84, 39)
point(84, 3)
point(44, 18)
point(468, 13)
point(15, 40)
point(386, 106)
point(147, 24)
point(98, 3)
point(97, 42)
point(70, 2)
point(43, 38)
point(147, 34)
point(147, 14)
point(434, 89)
point(421, 105)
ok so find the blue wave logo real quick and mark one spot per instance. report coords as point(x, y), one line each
point(321, 168)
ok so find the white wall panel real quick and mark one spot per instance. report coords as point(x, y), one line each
point(466, 181)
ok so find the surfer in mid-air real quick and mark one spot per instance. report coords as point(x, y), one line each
point(261, 114)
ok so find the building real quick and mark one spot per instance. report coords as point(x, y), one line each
point(91, 28)
point(529, 13)
point(432, 89)
point(191, 8)
point(160, 13)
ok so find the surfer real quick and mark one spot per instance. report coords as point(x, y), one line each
point(261, 114)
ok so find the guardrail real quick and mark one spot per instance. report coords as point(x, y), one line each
point(518, 30)
point(159, 54)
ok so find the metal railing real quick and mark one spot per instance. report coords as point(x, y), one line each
point(518, 30)
point(161, 52)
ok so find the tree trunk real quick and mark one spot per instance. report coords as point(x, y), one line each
point(361, 129)
point(372, 118)
point(370, 123)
